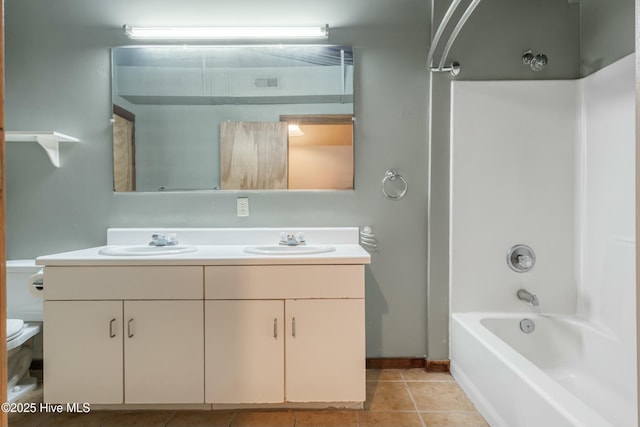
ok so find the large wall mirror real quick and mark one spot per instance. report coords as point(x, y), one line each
point(232, 117)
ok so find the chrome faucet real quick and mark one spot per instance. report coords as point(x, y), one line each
point(290, 239)
point(158, 239)
point(528, 297)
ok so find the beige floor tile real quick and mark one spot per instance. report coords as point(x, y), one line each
point(422, 375)
point(326, 419)
point(26, 420)
point(389, 403)
point(263, 419)
point(29, 419)
point(388, 396)
point(384, 375)
point(453, 419)
point(201, 419)
point(92, 419)
point(439, 396)
point(136, 418)
point(389, 419)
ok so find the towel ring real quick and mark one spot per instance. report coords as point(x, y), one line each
point(389, 176)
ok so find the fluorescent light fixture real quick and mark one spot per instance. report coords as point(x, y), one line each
point(225, 33)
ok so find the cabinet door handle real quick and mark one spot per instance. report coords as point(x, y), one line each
point(293, 327)
point(129, 330)
point(275, 327)
point(112, 334)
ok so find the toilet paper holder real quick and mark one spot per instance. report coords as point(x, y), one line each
point(36, 284)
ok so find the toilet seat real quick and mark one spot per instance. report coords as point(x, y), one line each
point(24, 332)
point(14, 328)
point(23, 321)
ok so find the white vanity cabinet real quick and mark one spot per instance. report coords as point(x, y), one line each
point(325, 356)
point(124, 335)
point(163, 352)
point(244, 351)
point(284, 333)
point(83, 348)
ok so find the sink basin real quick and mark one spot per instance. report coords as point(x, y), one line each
point(288, 250)
point(146, 250)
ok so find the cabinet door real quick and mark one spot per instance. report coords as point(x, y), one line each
point(164, 352)
point(325, 358)
point(83, 351)
point(244, 348)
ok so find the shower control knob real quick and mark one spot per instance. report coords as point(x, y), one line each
point(525, 261)
point(521, 258)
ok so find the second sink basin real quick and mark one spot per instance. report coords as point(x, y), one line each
point(146, 250)
point(288, 250)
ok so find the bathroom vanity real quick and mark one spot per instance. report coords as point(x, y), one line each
point(220, 325)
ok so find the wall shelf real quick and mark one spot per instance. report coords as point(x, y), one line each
point(48, 140)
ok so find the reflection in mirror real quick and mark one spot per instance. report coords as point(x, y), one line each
point(232, 117)
point(124, 168)
point(320, 151)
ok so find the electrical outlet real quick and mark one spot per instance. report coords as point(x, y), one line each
point(242, 205)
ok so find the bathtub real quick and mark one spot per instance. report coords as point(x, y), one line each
point(566, 373)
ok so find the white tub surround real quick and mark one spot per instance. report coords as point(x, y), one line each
point(513, 155)
point(212, 328)
point(548, 164)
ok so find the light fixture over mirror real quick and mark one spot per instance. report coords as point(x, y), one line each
point(226, 33)
point(217, 117)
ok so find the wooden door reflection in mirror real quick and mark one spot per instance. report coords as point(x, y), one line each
point(124, 150)
point(253, 155)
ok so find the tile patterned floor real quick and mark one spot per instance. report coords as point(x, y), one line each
point(395, 398)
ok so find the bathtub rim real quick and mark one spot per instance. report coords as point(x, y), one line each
point(574, 409)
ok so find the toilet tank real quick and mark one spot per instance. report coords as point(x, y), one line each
point(21, 303)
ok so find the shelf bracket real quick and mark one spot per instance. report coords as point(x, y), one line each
point(51, 146)
point(49, 141)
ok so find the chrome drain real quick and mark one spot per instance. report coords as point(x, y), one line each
point(527, 326)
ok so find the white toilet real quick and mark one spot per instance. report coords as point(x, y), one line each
point(24, 318)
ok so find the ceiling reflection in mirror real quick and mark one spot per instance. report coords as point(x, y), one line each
point(232, 117)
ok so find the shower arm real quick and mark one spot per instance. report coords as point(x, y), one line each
point(454, 68)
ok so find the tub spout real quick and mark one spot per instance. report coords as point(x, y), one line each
point(528, 297)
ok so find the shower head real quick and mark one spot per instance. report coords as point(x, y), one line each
point(537, 62)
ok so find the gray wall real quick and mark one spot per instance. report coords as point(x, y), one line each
point(579, 38)
point(58, 78)
point(607, 33)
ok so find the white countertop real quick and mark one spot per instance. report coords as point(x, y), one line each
point(219, 246)
point(208, 255)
